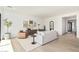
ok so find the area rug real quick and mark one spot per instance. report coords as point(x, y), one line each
point(27, 44)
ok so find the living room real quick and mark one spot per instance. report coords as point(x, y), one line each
point(35, 18)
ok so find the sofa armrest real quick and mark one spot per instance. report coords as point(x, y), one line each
point(39, 39)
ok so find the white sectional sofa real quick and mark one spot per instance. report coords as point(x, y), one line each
point(46, 36)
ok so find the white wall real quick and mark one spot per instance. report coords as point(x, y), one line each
point(63, 26)
point(17, 22)
point(57, 23)
point(77, 25)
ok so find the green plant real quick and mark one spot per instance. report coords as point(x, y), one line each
point(8, 24)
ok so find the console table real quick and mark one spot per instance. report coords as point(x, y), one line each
point(22, 35)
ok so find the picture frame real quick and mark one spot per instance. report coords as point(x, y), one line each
point(30, 22)
point(25, 23)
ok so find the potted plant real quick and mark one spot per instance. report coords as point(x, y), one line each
point(8, 24)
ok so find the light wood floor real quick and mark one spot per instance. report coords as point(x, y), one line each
point(16, 46)
point(65, 43)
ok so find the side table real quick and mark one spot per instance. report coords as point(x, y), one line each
point(33, 39)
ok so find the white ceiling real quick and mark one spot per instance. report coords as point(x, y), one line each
point(44, 10)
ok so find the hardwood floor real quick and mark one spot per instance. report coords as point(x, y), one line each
point(16, 46)
point(65, 43)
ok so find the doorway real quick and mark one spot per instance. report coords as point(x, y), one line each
point(51, 25)
point(72, 26)
point(69, 26)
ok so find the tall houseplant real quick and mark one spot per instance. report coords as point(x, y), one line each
point(8, 24)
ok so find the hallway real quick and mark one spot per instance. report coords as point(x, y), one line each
point(65, 43)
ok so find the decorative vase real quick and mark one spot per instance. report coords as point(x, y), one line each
point(7, 36)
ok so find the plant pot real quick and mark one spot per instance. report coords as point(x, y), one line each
point(7, 36)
